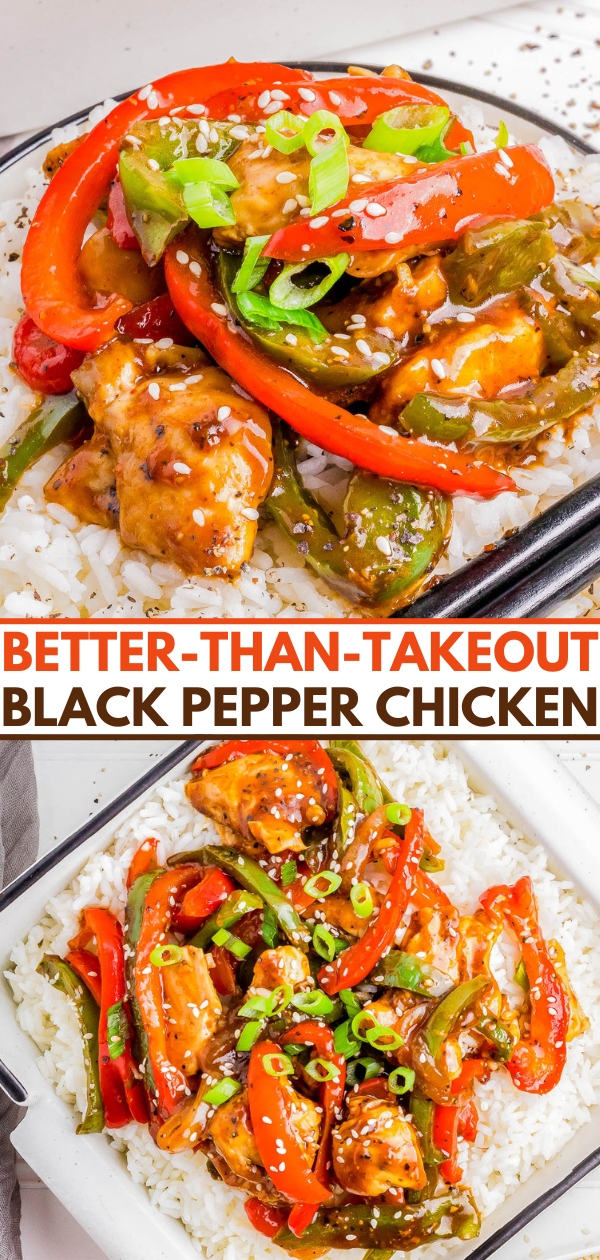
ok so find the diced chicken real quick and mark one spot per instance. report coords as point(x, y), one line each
point(376, 1149)
point(397, 302)
point(192, 459)
point(183, 1130)
point(192, 1008)
point(501, 348)
point(284, 965)
point(433, 935)
point(402, 1012)
point(231, 1131)
point(262, 797)
point(340, 913)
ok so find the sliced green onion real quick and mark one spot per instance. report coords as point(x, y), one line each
point(313, 885)
point(329, 177)
point(324, 943)
point(350, 1001)
point(466, 148)
point(117, 1030)
point(208, 205)
point(363, 1069)
point(401, 1080)
point(407, 127)
point(253, 266)
point(166, 955)
point(321, 1070)
point(293, 1048)
point(254, 1006)
point(220, 1092)
point(281, 122)
point(203, 170)
point(315, 1003)
point(232, 943)
point(357, 1024)
point(362, 900)
point(520, 976)
point(384, 1039)
point(289, 873)
point(323, 120)
point(284, 293)
point(278, 1065)
point(279, 999)
point(502, 138)
point(269, 930)
point(397, 814)
point(339, 945)
point(343, 1041)
point(249, 1035)
point(259, 310)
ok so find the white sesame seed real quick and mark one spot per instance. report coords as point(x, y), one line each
point(143, 341)
point(195, 268)
point(357, 206)
point(302, 200)
point(153, 164)
point(196, 109)
point(305, 212)
point(279, 95)
point(320, 221)
point(182, 257)
point(134, 141)
point(501, 170)
point(290, 205)
point(201, 143)
point(144, 92)
point(285, 177)
point(374, 209)
point(154, 389)
point(152, 100)
point(251, 514)
point(218, 308)
point(305, 249)
point(177, 389)
point(381, 358)
point(292, 339)
point(334, 98)
point(204, 127)
point(383, 544)
point(223, 413)
point(198, 516)
point(234, 118)
point(358, 318)
point(504, 157)
point(341, 352)
point(165, 343)
point(178, 467)
point(307, 94)
point(361, 179)
point(240, 133)
point(273, 108)
point(193, 380)
point(385, 428)
point(213, 136)
point(438, 367)
point(465, 317)
point(392, 238)
point(364, 347)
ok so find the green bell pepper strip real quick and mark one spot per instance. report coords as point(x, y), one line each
point(575, 230)
point(346, 820)
point(235, 906)
point(134, 914)
point(407, 128)
point(414, 524)
point(437, 150)
point(561, 336)
point(501, 256)
point(399, 970)
point(251, 876)
point(376, 1253)
point(257, 310)
point(444, 1018)
point(400, 1227)
point(283, 292)
point(500, 1036)
point(63, 977)
point(253, 266)
point(422, 1111)
point(577, 289)
point(57, 419)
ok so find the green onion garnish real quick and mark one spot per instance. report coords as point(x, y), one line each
point(293, 1048)
point(166, 955)
point(280, 123)
point(343, 1042)
point(324, 943)
point(315, 1003)
point(289, 873)
point(278, 1065)
point(350, 1001)
point(314, 888)
point(117, 1030)
point(208, 205)
point(269, 930)
point(466, 148)
point(357, 1024)
point(253, 266)
point(520, 976)
point(384, 1039)
point(220, 1092)
point(284, 293)
point(259, 310)
point(321, 1070)
point(397, 814)
point(329, 176)
point(362, 1070)
point(201, 170)
point(249, 1035)
point(407, 127)
point(323, 120)
point(401, 1080)
point(502, 138)
point(279, 999)
point(232, 943)
point(254, 1006)
point(362, 900)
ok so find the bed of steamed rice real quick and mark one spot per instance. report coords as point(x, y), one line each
point(51, 565)
point(517, 1132)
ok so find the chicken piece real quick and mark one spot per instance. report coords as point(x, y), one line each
point(193, 1008)
point(85, 484)
point(501, 348)
point(106, 268)
point(384, 1155)
point(231, 1131)
point(262, 797)
point(265, 202)
point(403, 1012)
point(284, 965)
point(340, 913)
point(400, 303)
point(183, 1130)
point(191, 465)
point(434, 936)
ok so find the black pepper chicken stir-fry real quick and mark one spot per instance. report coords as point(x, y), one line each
point(304, 1004)
point(332, 260)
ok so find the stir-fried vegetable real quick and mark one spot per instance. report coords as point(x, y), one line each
point(63, 977)
point(56, 420)
point(252, 877)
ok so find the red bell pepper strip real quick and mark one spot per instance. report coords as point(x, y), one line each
point(222, 973)
point(202, 900)
point(232, 749)
point(116, 218)
point(273, 1124)
point(125, 1097)
point(437, 203)
point(427, 893)
point(472, 1070)
point(322, 422)
point(355, 963)
point(87, 967)
point(356, 100)
point(312, 1033)
point(377, 1088)
point(170, 1082)
point(538, 1059)
point(53, 291)
point(266, 1219)
point(42, 363)
point(445, 1137)
point(155, 319)
point(468, 1122)
point(144, 859)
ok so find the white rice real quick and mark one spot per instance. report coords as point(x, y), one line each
point(52, 565)
point(518, 1132)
